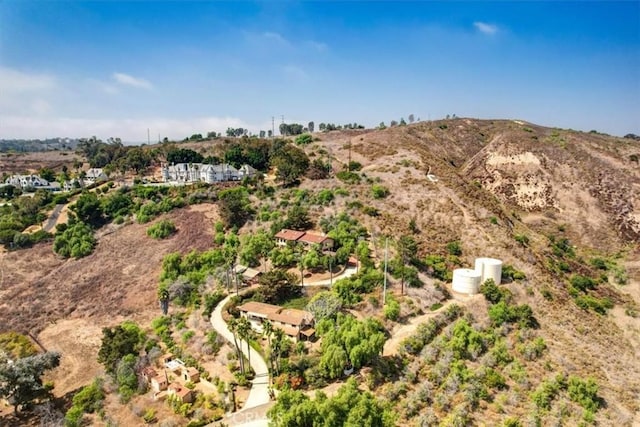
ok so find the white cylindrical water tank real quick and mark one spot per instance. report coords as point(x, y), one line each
point(466, 281)
point(489, 268)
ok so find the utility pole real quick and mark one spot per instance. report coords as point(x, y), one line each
point(148, 137)
point(273, 127)
point(384, 286)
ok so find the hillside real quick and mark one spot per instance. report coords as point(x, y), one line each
point(504, 189)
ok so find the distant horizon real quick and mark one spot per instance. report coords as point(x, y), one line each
point(153, 141)
point(116, 69)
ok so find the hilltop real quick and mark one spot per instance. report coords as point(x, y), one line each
point(552, 203)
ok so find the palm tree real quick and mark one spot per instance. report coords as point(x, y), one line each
point(278, 341)
point(233, 327)
point(267, 330)
point(245, 333)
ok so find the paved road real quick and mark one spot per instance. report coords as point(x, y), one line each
point(51, 222)
point(259, 394)
point(349, 271)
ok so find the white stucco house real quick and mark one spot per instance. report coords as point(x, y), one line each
point(94, 175)
point(32, 181)
point(200, 172)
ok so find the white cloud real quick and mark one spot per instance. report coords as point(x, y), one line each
point(275, 37)
point(295, 72)
point(485, 28)
point(128, 80)
point(15, 81)
point(130, 130)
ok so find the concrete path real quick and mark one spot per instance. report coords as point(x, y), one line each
point(53, 218)
point(259, 394)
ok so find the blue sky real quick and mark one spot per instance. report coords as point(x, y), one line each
point(106, 68)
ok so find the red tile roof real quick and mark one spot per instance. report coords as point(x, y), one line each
point(313, 238)
point(292, 235)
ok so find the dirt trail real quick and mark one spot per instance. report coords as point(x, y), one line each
point(404, 331)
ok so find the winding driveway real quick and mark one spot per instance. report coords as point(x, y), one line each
point(253, 413)
point(259, 394)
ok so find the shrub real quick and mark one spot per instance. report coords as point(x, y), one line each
point(371, 211)
point(509, 273)
point(75, 241)
point(324, 197)
point(73, 417)
point(348, 177)
point(90, 397)
point(599, 305)
point(391, 308)
point(523, 239)
point(304, 139)
point(354, 166)
point(582, 283)
point(379, 191)
point(454, 248)
point(161, 229)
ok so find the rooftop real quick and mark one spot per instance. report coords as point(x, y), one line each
point(290, 316)
point(313, 238)
point(287, 234)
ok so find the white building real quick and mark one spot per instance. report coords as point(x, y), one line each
point(95, 175)
point(199, 172)
point(32, 181)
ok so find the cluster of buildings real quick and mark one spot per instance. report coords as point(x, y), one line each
point(202, 172)
point(171, 380)
point(36, 182)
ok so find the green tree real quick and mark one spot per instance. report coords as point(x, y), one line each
point(21, 380)
point(233, 324)
point(245, 332)
point(137, 159)
point(162, 229)
point(254, 247)
point(277, 286)
point(324, 305)
point(184, 155)
point(88, 209)
point(118, 342)
point(333, 361)
point(291, 163)
point(75, 241)
point(47, 174)
point(235, 207)
point(407, 249)
point(298, 218)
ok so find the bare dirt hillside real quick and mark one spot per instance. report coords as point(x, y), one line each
point(119, 278)
point(24, 163)
point(491, 181)
point(499, 179)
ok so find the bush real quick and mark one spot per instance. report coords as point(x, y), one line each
point(582, 283)
point(379, 191)
point(304, 139)
point(75, 241)
point(454, 248)
point(509, 273)
point(348, 177)
point(162, 229)
point(599, 305)
point(392, 308)
point(73, 417)
point(90, 397)
point(584, 393)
